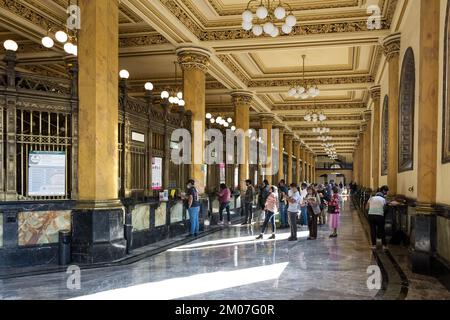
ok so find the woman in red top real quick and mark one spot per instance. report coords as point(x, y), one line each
point(334, 211)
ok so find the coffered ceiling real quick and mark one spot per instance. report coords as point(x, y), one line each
point(342, 55)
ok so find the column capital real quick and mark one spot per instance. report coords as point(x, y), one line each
point(391, 45)
point(266, 118)
point(367, 115)
point(289, 136)
point(242, 98)
point(193, 58)
point(280, 127)
point(375, 92)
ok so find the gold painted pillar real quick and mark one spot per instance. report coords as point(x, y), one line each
point(98, 56)
point(288, 140)
point(281, 130)
point(267, 124)
point(194, 62)
point(391, 46)
point(367, 149)
point(297, 155)
point(428, 102)
point(376, 136)
point(307, 165)
point(242, 101)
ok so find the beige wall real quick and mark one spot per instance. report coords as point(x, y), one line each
point(443, 170)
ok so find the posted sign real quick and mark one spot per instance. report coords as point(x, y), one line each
point(47, 173)
point(157, 174)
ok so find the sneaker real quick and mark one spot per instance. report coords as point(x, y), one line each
point(259, 237)
point(272, 237)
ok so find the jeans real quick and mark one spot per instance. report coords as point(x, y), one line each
point(283, 214)
point(193, 216)
point(293, 223)
point(226, 206)
point(377, 229)
point(248, 207)
point(304, 216)
point(270, 216)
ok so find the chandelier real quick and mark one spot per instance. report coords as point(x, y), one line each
point(321, 130)
point(327, 145)
point(175, 96)
point(325, 138)
point(64, 36)
point(303, 90)
point(269, 16)
point(221, 121)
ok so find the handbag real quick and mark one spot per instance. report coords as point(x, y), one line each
point(331, 209)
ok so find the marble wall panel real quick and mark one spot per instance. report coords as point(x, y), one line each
point(443, 237)
point(141, 217)
point(176, 212)
point(42, 227)
point(160, 215)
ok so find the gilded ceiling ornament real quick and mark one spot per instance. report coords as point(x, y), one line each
point(141, 41)
point(193, 60)
point(391, 46)
point(375, 92)
point(319, 81)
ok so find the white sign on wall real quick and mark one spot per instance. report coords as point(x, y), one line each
point(157, 174)
point(136, 136)
point(47, 173)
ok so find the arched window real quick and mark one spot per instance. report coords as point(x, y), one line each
point(406, 105)
point(385, 137)
point(446, 109)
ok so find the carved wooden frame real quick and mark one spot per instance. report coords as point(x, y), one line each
point(446, 91)
point(406, 107)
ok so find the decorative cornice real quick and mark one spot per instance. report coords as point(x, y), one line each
point(318, 81)
point(181, 15)
point(329, 118)
point(142, 41)
point(233, 68)
point(391, 46)
point(193, 58)
point(375, 92)
point(320, 106)
point(266, 117)
point(28, 14)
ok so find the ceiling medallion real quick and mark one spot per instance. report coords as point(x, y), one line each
point(269, 15)
point(304, 90)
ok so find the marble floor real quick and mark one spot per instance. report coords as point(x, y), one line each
point(231, 264)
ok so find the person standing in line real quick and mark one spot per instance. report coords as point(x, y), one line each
point(283, 192)
point(294, 200)
point(264, 191)
point(376, 206)
point(193, 205)
point(304, 205)
point(334, 210)
point(313, 202)
point(248, 202)
point(323, 201)
point(271, 208)
point(224, 202)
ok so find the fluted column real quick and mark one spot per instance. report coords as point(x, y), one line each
point(288, 139)
point(376, 136)
point(267, 124)
point(242, 101)
point(391, 47)
point(297, 144)
point(367, 149)
point(281, 130)
point(195, 61)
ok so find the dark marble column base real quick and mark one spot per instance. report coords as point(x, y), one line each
point(98, 235)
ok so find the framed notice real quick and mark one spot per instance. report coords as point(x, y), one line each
point(47, 173)
point(157, 173)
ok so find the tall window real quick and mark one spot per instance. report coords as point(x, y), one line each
point(406, 113)
point(385, 137)
point(446, 109)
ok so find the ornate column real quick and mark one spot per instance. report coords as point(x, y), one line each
point(288, 139)
point(423, 246)
point(195, 61)
point(367, 148)
point(297, 143)
point(391, 46)
point(267, 124)
point(97, 223)
point(307, 164)
point(281, 129)
point(242, 101)
point(376, 136)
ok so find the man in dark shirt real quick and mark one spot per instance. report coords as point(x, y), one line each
point(193, 205)
point(248, 202)
point(284, 191)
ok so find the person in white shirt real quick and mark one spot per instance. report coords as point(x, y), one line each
point(376, 206)
point(294, 201)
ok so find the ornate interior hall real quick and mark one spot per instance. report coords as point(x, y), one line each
point(99, 100)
